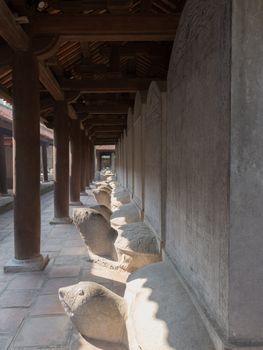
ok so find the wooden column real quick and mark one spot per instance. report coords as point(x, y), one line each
point(92, 161)
point(61, 165)
point(83, 164)
point(98, 164)
point(26, 159)
point(87, 146)
point(44, 161)
point(75, 147)
point(3, 185)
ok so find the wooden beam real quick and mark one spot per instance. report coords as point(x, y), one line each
point(143, 27)
point(91, 68)
point(105, 131)
point(109, 108)
point(5, 95)
point(11, 31)
point(107, 136)
point(108, 117)
point(72, 113)
point(132, 49)
point(89, 125)
point(106, 86)
point(108, 128)
point(72, 97)
point(6, 55)
point(115, 59)
point(108, 97)
point(146, 5)
point(18, 40)
point(70, 6)
point(46, 103)
point(105, 142)
point(46, 47)
point(118, 6)
point(105, 120)
point(97, 124)
point(102, 100)
point(50, 83)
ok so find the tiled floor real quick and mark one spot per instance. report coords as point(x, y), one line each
point(31, 316)
point(7, 202)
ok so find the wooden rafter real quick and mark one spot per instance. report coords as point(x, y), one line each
point(11, 31)
point(48, 80)
point(146, 27)
point(106, 86)
point(105, 108)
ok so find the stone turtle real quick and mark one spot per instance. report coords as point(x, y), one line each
point(96, 232)
point(102, 197)
point(96, 312)
point(136, 246)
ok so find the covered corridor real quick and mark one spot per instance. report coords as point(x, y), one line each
point(31, 316)
point(175, 233)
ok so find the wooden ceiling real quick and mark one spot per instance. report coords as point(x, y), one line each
point(94, 53)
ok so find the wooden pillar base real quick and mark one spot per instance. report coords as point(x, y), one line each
point(61, 221)
point(28, 265)
point(6, 195)
point(84, 193)
point(75, 204)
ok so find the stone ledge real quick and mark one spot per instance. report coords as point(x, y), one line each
point(75, 204)
point(61, 221)
point(28, 265)
point(220, 342)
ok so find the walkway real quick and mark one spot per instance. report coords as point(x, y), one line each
point(6, 202)
point(31, 316)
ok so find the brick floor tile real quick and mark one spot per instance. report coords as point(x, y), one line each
point(49, 247)
point(31, 281)
point(2, 286)
point(87, 276)
point(74, 251)
point(68, 260)
point(43, 332)
point(47, 305)
point(63, 271)
point(78, 242)
point(52, 285)
point(5, 341)
point(17, 298)
point(5, 277)
point(10, 319)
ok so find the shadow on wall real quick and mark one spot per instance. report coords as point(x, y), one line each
point(164, 318)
